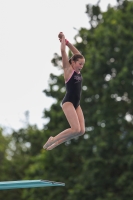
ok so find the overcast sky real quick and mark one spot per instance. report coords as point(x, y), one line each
point(28, 41)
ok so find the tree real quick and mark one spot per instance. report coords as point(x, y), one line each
point(3, 153)
point(18, 155)
point(104, 159)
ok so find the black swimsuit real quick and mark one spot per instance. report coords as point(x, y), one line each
point(73, 89)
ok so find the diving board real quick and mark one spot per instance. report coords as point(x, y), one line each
point(5, 185)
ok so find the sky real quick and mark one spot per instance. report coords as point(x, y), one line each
point(28, 40)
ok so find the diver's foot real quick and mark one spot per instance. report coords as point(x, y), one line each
point(52, 146)
point(49, 142)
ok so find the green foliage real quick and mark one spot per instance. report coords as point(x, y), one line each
point(104, 170)
point(3, 154)
point(21, 149)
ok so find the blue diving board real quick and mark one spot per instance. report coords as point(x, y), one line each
point(28, 184)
